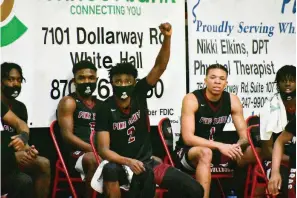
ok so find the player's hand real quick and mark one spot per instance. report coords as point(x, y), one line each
point(244, 143)
point(232, 151)
point(32, 152)
point(136, 166)
point(275, 183)
point(23, 158)
point(17, 143)
point(166, 29)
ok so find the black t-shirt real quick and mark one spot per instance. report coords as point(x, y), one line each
point(8, 160)
point(20, 110)
point(211, 118)
point(4, 109)
point(291, 128)
point(129, 133)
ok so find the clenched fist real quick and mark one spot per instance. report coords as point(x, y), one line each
point(166, 29)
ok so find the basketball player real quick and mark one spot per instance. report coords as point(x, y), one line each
point(11, 84)
point(76, 118)
point(123, 131)
point(204, 115)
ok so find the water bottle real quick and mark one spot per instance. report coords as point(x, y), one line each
point(232, 194)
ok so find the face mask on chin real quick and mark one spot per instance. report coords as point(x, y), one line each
point(85, 89)
point(11, 92)
point(123, 92)
point(288, 96)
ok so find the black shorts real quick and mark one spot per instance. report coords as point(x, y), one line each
point(116, 172)
point(220, 163)
point(288, 178)
point(70, 161)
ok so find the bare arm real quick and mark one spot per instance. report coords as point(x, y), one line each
point(18, 141)
point(15, 122)
point(163, 56)
point(103, 140)
point(278, 150)
point(189, 107)
point(66, 109)
point(267, 150)
point(239, 122)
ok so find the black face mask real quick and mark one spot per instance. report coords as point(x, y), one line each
point(11, 92)
point(288, 96)
point(85, 89)
point(123, 92)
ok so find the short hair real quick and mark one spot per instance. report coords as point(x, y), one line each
point(216, 66)
point(287, 72)
point(123, 68)
point(84, 64)
point(6, 67)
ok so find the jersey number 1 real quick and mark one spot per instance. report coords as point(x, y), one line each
point(211, 133)
point(130, 132)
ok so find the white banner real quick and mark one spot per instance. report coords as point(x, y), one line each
point(252, 38)
point(45, 37)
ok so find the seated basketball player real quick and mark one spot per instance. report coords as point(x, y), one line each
point(123, 132)
point(13, 181)
point(204, 115)
point(11, 84)
point(275, 181)
point(76, 118)
point(275, 115)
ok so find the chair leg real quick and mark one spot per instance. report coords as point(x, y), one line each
point(254, 183)
point(248, 181)
point(221, 188)
point(94, 194)
point(55, 185)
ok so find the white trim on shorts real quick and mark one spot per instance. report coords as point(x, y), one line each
point(185, 164)
point(79, 167)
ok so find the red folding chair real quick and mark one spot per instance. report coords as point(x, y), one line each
point(166, 135)
point(92, 137)
point(159, 191)
point(257, 172)
point(251, 120)
point(61, 173)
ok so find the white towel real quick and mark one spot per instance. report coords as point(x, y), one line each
point(273, 117)
point(97, 180)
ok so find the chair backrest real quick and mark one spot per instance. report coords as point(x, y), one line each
point(253, 120)
point(166, 135)
point(55, 129)
point(92, 141)
point(255, 135)
point(250, 130)
point(54, 132)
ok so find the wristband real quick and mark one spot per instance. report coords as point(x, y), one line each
point(24, 136)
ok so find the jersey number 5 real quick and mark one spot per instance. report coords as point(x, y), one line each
point(130, 132)
point(211, 133)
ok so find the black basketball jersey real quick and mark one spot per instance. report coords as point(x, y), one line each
point(290, 116)
point(129, 133)
point(84, 118)
point(210, 119)
point(20, 110)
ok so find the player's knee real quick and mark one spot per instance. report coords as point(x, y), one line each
point(44, 165)
point(110, 173)
point(205, 155)
point(90, 160)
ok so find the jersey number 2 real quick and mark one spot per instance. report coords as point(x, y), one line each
point(211, 133)
point(130, 132)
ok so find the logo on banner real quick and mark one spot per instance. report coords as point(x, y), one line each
point(284, 5)
point(193, 11)
point(13, 29)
